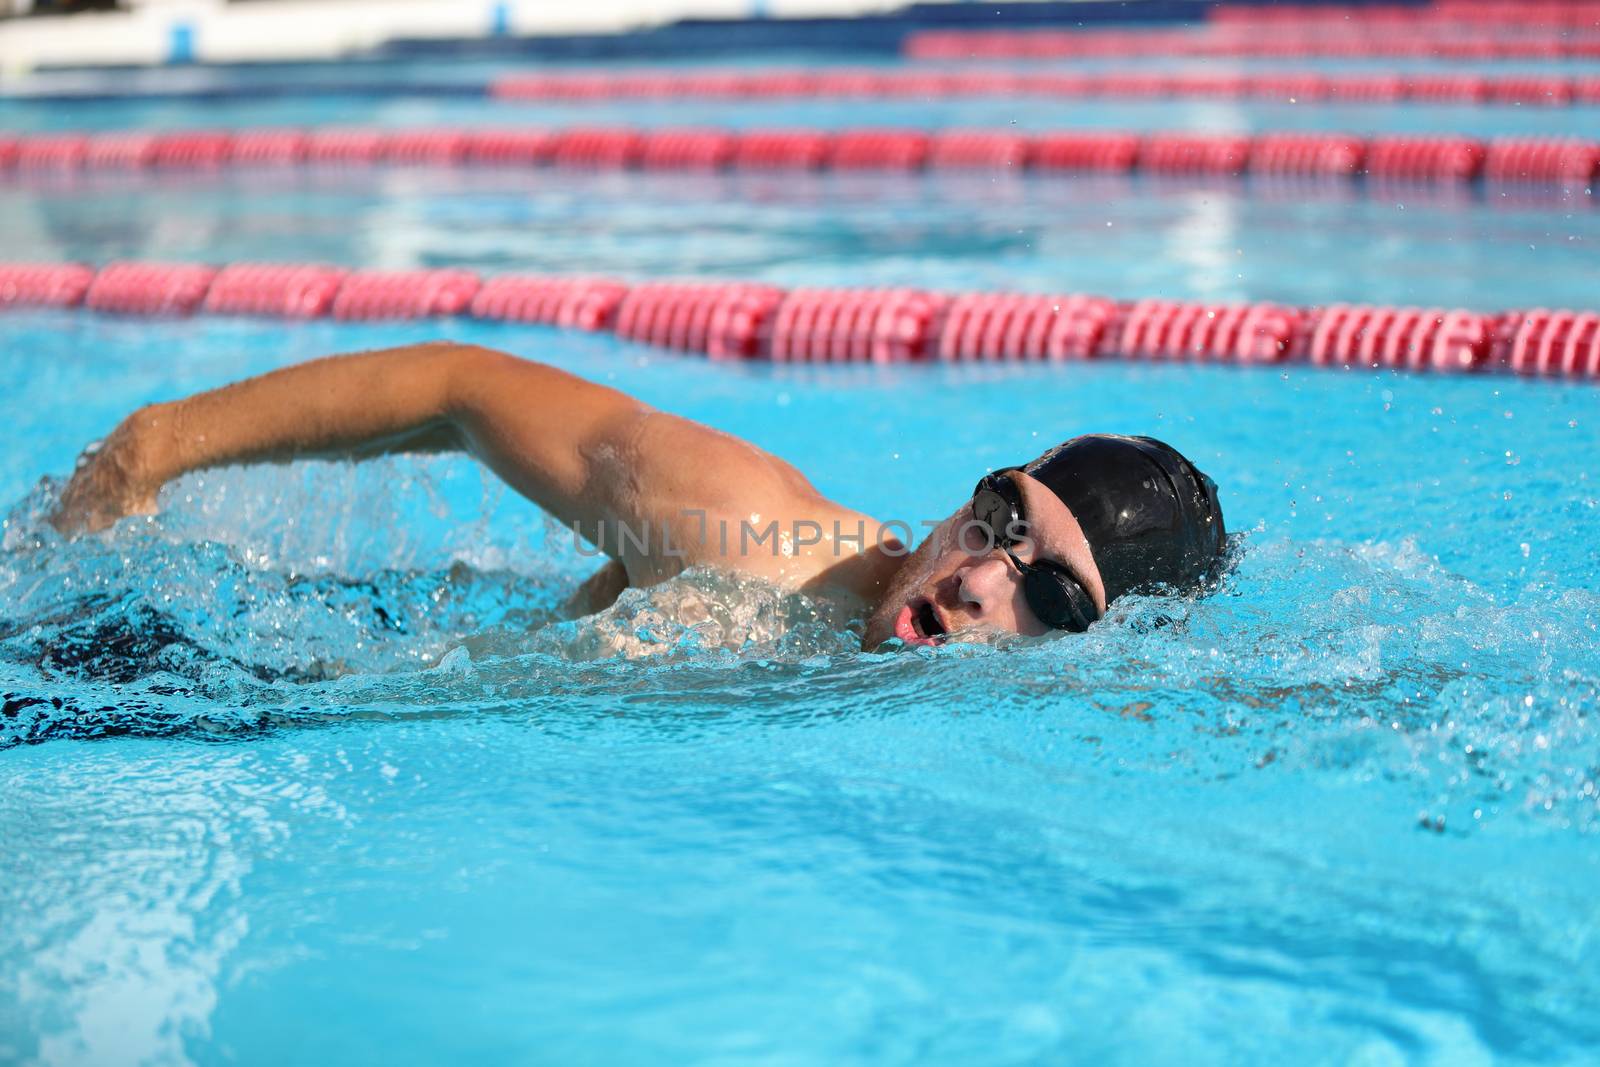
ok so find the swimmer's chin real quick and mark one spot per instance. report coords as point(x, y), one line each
point(957, 645)
point(960, 641)
point(921, 625)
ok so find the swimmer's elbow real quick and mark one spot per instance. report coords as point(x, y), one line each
point(461, 358)
point(460, 369)
point(452, 357)
point(492, 393)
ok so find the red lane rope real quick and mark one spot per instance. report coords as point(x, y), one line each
point(1564, 161)
point(1239, 45)
point(603, 85)
point(731, 320)
point(1571, 14)
point(1298, 32)
point(1447, 29)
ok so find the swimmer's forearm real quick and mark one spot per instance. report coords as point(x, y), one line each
point(535, 426)
point(539, 428)
point(352, 405)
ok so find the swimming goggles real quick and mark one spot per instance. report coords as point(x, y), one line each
point(1055, 597)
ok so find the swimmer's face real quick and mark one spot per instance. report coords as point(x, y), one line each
point(958, 584)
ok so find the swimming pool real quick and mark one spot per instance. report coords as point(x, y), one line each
point(315, 778)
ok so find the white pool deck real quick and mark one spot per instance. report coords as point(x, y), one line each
point(154, 31)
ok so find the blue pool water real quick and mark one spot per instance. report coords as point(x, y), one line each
point(303, 770)
point(989, 112)
point(414, 76)
point(1124, 237)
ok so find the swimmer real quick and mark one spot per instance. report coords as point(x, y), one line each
point(1039, 547)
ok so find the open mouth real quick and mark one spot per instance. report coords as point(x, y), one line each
point(919, 624)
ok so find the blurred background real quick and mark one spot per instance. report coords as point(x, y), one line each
point(305, 770)
point(45, 32)
point(149, 31)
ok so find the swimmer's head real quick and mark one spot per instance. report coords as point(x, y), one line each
point(1051, 544)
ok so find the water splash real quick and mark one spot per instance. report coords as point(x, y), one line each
point(1315, 658)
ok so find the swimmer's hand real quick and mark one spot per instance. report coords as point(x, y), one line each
point(114, 478)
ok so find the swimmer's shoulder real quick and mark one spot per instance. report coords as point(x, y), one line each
point(724, 502)
point(694, 456)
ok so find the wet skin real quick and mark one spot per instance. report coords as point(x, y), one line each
point(958, 583)
point(598, 460)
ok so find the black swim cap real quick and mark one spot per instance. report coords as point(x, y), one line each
point(1151, 518)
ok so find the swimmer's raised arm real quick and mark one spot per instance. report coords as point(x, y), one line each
point(436, 396)
point(584, 452)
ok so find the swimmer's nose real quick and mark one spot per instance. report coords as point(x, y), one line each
point(982, 585)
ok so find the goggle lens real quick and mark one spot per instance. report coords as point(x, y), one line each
point(1056, 599)
point(1053, 595)
point(995, 512)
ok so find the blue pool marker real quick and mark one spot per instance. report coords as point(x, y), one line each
point(180, 43)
